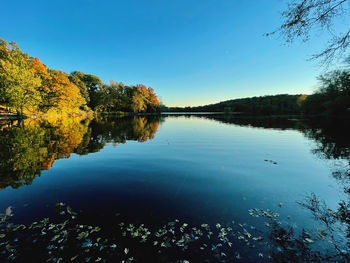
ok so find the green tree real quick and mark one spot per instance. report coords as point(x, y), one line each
point(333, 95)
point(18, 83)
point(93, 85)
point(108, 98)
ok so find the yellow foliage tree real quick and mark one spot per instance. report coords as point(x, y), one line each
point(61, 95)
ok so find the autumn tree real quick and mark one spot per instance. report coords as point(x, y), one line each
point(26, 84)
point(74, 77)
point(144, 99)
point(38, 68)
point(139, 99)
point(18, 83)
point(153, 103)
point(118, 97)
point(61, 95)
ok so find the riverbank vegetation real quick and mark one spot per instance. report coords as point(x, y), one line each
point(28, 87)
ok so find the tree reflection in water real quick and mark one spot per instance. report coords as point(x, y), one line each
point(33, 145)
point(331, 241)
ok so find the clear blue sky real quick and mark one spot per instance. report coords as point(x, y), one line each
point(190, 52)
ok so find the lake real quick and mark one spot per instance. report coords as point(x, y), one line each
point(198, 169)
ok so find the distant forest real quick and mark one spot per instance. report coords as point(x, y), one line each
point(281, 104)
point(331, 98)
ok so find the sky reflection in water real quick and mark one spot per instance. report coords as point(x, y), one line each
point(199, 169)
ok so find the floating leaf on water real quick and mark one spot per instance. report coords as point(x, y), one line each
point(258, 238)
point(309, 240)
point(248, 234)
point(320, 237)
point(49, 247)
point(55, 237)
point(59, 205)
point(82, 235)
point(98, 259)
point(87, 243)
point(8, 211)
point(73, 258)
point(126, 251)
point(70, 210)
point(2, 235)
point(321, 232)
point(95, 229)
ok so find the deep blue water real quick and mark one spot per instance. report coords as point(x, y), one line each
point(194, 168)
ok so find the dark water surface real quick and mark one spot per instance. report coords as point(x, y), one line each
point(198, 169)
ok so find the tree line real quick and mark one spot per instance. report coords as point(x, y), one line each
point(278, 104)
point(331, 98)
point(27, 86)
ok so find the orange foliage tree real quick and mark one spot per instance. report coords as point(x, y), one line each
point(61, 95)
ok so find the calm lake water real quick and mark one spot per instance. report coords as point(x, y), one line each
point(198, 169)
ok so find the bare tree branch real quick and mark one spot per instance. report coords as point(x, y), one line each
point(302, 17)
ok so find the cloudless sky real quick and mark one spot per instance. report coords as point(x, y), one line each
point(190, 52)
